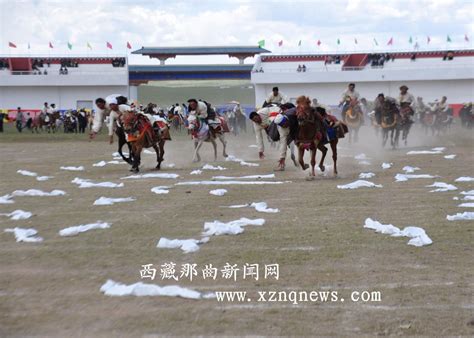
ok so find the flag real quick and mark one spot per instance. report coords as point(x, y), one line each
point(299, 43)
point(69, 45)
point(448, 39)
point(11, 44)
point(318, 43)
point(410, 40)
point(338, 41)
point(261, 43)
point(376, 43)
point(390, 42)
point(428, 40)
point(109, 45)
point(129, 46)
point(89, 45)
point(466, 38)
point(29, 47)
point(51, 45)
point(280, 43)
point(355, 41)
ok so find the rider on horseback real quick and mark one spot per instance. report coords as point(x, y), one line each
point(204, 112)
point(407, 103)
point(349, 95)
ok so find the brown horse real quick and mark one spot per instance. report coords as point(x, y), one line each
point(390, 123)
point(310, 129)
point(142, 134)
point(353, 118)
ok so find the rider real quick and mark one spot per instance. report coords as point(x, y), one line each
point(349, 95)
point(406, 101)
point(204, 112)
point(106, 107)
point(261, 121)
point(275, 97)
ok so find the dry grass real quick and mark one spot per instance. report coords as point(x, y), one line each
point(52, 288)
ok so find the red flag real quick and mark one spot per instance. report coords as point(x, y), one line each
point(11, 44)
point(428, 40)
point(129, 46)
point(51, 45)
point(390, 42)
point(280, 43)
point(466, 38)
point(109, 45)
point(318, 43)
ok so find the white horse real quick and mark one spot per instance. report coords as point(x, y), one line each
point(200, 133)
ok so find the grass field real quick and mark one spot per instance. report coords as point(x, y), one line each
point(52, 288)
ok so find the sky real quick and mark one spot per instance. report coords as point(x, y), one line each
point(236, 22)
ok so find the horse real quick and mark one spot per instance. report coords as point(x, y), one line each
point(467, 116)
point(442, 121)
point(70, 123)
point(142, 133)
point(389, 123)
point(336, 130)
point(37, 123)
point(405, 121)
point(352, 118)
point(308, 137)
point(200, 133)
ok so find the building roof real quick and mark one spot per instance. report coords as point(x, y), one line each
point(201, 50)
point(188, 68)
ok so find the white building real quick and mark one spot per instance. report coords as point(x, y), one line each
point(26, 83)
point(430, 75)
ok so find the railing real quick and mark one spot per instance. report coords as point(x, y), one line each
point(116, 71)
point(368, 67)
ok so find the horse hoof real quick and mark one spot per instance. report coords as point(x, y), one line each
point(225, 155)
point(306, 166)
point(322, 168)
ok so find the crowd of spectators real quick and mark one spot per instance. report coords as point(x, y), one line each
point(4, 64)
point(301, 68)
point(330, 59)
point(378, 60)
point(118, 62)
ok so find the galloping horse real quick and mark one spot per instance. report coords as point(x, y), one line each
point(309, 132)
point(200, 133)
point(353, 118)
point(389, 124)
point(405, 121)
point(141, 133)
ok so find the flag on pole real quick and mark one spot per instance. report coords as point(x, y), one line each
point(11, 45)
point(428, 40)
point(410, 40)
point(376, 43)
point(466, 38)
point(261, 43)
point(51, 45)
point(109, 45)
point(390, 42)
point(318, 43)
point(338, 41)
point(280, 43)
point(299, 43)
point(355, 41)
point(129, 46)
point(89, 45)
point(448, 39)
point(69, 45)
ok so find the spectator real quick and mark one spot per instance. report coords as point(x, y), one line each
point(303, 68)
point(299, 68)
point(413, 57)
point(19, 120)
point(2, 116)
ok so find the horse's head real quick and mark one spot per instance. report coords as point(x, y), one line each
point(193, 123)
point(304, 112)
point(129, 121)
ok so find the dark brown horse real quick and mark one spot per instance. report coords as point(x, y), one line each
point(390, 123)
point(309, 135)
point(142, 134)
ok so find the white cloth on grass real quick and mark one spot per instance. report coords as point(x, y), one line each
point(160, 190)
point(218, 192)
point(464, 179)
point(6, 199)
point(218, 228)
point(112, 288)
point(25, 235)
point(110, 201)
point(442, 187)
point(187, 245)
point(100, 164)
point(72, 231)
point(466, 205)
point(359, 184)
point(86, 183)
point(38, 193)
point(406, 177)
point(386, 165)
point(409, 169)
point(231, 158)
point(418, 235)
point(211, 167)
point(151, 175)
point(464, 216)
point(80, 168)
point(259, 206)
point(196, 172)
point(450, 157)
point(230, 182)
point(18, 215)
point(248, 177)
point(366, 175)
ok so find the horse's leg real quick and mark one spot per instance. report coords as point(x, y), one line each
point(313, 159)
point(334, 154)
point(197, 145)
point(136, 149)
point(157, 151)
point(161, 146)
point(214, 145)
point(324, 150)
point(224, 144)
point(301, 157)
